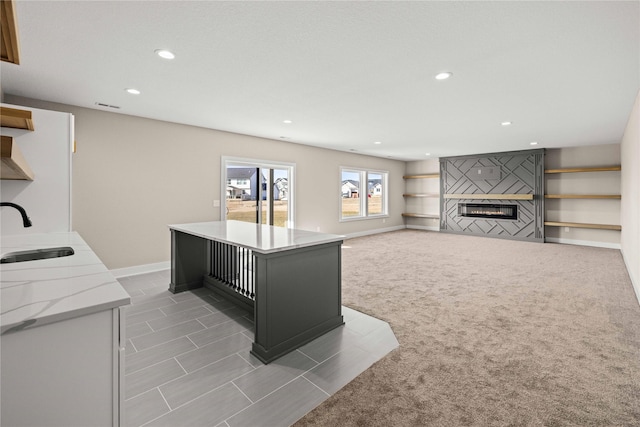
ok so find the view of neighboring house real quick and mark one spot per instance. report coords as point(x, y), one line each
point(375, 187)
point(241, 184)
point(350, 188)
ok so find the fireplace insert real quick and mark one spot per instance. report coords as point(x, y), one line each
point(490, 211)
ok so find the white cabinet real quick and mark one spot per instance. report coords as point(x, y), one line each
point(67, 373)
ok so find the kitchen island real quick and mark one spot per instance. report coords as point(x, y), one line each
point(62, 337)
point(290, 278)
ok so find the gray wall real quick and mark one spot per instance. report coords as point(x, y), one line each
point(132, 176)
point(518, 172)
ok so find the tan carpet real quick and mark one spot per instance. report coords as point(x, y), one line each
point(492, 333)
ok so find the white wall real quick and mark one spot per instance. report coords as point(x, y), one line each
point(630, 239)
point(133, 176)
point(47, 199)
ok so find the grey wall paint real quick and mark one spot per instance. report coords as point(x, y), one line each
point(518, 172)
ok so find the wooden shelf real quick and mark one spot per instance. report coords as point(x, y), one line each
point(582, 225)
point(421, 195)
point(490, 196)
point(13, 164)
point(14, 118)
point(417, 215)
point(9, 34)
point(591, 169)
point(428, 175)
point(582, 196)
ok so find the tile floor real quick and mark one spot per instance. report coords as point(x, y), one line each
point(188, 364)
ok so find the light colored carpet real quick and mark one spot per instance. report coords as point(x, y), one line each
point(492, 333)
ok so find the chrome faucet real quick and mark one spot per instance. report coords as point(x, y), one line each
point(25, 219)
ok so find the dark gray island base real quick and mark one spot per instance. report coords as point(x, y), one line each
point(291, 279)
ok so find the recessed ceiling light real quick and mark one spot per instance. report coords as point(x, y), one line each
point(162, 53)
point(378, 142)
point(133, 91)
point(287, 121)
point(533, 143)
point(443, 76)
point(427, 154)
point(506, 123)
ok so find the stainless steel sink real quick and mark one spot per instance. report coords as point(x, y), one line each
point(36, 254)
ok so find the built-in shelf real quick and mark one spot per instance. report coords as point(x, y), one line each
point(9, 34)
point(590, 169)
point(582, 196)
point(490, 196)
point(14, 118)
point(583, 225)
point(421, 195)
point(421, 176)
point(419, 215)
point(14, 165)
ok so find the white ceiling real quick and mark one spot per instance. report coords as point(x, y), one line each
point(345, 73)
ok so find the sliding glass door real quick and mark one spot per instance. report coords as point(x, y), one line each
point(259, 192)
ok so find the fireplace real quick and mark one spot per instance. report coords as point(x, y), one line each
point(489, 211)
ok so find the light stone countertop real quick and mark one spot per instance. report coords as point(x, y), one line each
point(34, 293)
point(261, 238)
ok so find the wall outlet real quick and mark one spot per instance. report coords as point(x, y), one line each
point(384, 220)
point(566, 229)
point(216, 203)
point(317, 228)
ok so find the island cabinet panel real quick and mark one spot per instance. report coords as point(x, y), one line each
point(65, 373)
point(298, 298)
point(291, 279)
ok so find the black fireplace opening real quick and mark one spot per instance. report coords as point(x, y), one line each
point(486, 210)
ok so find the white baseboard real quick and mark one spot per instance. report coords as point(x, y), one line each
point(635, 281)
point(424, 227)
point(582, 243)
point(140, 269)
point(376, 231)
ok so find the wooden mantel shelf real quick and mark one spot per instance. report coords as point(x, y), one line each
point(14, 118)
point(591, 169)
point(13, 164)
point(490, 196)
point(421, 195)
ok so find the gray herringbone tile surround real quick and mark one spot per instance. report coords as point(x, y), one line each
point(188, 362)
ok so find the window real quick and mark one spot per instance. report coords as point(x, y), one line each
point(363, 193)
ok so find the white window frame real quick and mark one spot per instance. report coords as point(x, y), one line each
point(364, 194)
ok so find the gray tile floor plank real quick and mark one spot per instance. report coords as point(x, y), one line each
point(207, 410)
point(188, 387)
point(179, 317)
point(151, 377)
point(282, 407)
point(145, 358)
point(335, 372)
point(217, 332)
point(144, 408)
point(215, 351)
point(137, 329)
point(133, 318)
point(267, 378)
point(150, 305)
point(185, 305)
point(378, 342)
point(329, 344)
point(154, 338)
point(219, 317)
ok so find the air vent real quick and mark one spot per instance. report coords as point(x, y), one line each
point(100, 104)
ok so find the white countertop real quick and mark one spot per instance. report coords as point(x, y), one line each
point(257, 237)
point(34, 293)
